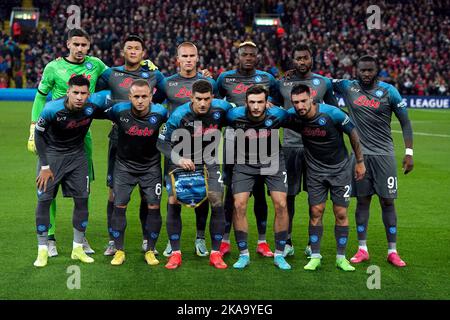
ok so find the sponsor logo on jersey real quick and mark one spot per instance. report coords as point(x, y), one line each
point(200, 130)
point(173, 84)
point(126, 83)
point(123, 119)
point(183, 93)
point(153, 119)
point(363, 101)
point(268, 122)
point(240, 88)
point(258, 79)
point(313, 132)
point(322, 121)
point(145, 75)
point(88, 111)
point(230, 79)
point(76, 124)
point(136, 131)
point(316, 82)
point(354, 89)
point(61, 118)
point(216, 115)
point(88, 65)
point(255, 134)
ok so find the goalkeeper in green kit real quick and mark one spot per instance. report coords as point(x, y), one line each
point(55, 78)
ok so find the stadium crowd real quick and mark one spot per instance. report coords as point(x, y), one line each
point(412, 44)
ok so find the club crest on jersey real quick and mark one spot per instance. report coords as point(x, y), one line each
point(216, 115)
point(379, 93)
point(268, 122)
point(153, 119)
point(88, 111)
point(258, 79)
point(145, 75)
point(316, 82)
point(322, 121)
point(88, 65)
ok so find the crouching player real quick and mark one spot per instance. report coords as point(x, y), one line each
point(59, 137)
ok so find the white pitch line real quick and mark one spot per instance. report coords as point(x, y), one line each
point(425, 134)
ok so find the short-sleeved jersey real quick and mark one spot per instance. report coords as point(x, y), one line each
point(119, 81)
point(232, 85)
point(256, 134)
point(136, 147)
point(58, 72)
point(325, 150)
point(64, 129)
point(196, 125)
point(371, 110)
point(177, 89)
point(321, 91)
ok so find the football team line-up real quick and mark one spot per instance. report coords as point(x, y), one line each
point(312, 155)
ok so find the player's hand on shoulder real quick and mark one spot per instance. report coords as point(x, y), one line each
point(407, 164)
point(206, 73)
point(148, 65)
point(269, 104)
point(289, 74)
point(186, 164)
point(31, 146)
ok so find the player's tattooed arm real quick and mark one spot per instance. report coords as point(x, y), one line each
point(360, 168)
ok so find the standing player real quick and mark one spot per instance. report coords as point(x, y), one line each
point(233, 85)
point(55, 78)
point(177, 90)
point(60, 133)
point(202, 118)
point(119, 80)
point(371, 103)
point(137, 162)
point(321, 91)
point(328, 167)
point(255, 123)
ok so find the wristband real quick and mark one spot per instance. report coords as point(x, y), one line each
point(409, 152)
point(45, 167)
point(359, 161)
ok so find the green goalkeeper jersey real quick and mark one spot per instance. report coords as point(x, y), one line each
point(57, 74)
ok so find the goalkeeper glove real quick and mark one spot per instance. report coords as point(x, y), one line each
point(31, 146)
point(148, 65)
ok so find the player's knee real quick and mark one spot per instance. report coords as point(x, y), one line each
point(280, 207)
point(384, 202)
point(316, 211)
point(240, 206)
point(215, 198)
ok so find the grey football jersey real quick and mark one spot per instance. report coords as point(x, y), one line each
point(177, 89)
point(371, 110)
point(321, 91)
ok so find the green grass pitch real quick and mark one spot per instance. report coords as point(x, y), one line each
point(423, 239)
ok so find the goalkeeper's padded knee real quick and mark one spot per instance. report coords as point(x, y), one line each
point(31, 146)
